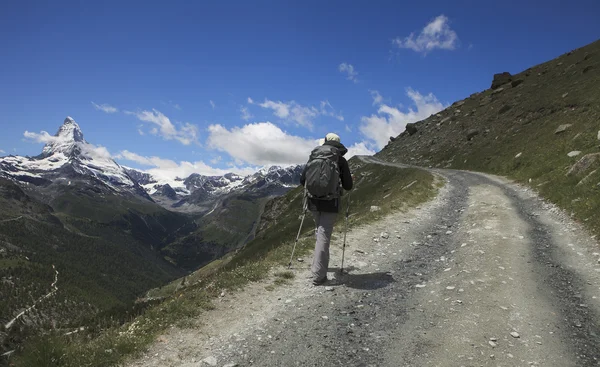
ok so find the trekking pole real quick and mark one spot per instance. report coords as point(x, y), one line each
point(345, 231)
point(304, 207)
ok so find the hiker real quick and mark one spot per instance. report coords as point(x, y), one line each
point(324, 176)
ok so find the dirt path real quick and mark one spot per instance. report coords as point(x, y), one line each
point(485, 274)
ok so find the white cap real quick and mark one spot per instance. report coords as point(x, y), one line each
point(332, 137)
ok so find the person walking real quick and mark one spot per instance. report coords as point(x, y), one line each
point(323, 177)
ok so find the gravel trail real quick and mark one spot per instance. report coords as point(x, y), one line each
point(486, 274)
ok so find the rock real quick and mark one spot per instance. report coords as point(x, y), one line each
point(231, 365)
point(375, 208)
point(375, 239)
point(385, 235)
point(504, 109)
point(501, 79)
point(300, 260)
point(562, 128)
point(450, 287)
point(493, 344)
point(588, 68)
point(566, 94)
point(329, 289)
point(448, 232)
point(494, 339)
point(516, 82)
point(514, 334)
point(574, 153)
point(411, 128)
point(496, 91)
point(584, 164)
point(598, 134)
point(518, 155)
point(325, 317)
point(471, 133)
point(211, 361)
point(392, 139)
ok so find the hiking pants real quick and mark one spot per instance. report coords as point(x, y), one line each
point(323, 228)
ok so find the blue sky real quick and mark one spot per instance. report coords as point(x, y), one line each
point(205, 86)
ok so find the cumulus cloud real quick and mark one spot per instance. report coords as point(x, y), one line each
point(301, 115)
point(246, 115)
point(167, 169)
point(436, 35)
point(261, 143)
point(359, 149)
point(105, 108)
point(348, 69)
point(390, 121)
point(186, 133)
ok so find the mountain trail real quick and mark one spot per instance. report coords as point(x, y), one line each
point(486, 273)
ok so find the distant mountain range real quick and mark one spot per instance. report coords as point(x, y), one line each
point(68, 158)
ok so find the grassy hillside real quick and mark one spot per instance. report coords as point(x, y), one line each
point(513, 131)
point(101, 265)
point(185, 298)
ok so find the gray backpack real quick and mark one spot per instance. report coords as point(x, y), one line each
point(323, 173)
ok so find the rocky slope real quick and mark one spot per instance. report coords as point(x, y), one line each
point(539, 126)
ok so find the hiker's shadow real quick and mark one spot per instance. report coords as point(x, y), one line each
point(369, 281)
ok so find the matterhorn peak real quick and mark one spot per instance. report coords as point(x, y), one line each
point(70, 130)
point(66, 139)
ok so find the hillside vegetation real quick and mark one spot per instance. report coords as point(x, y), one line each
point(181, 301)
point(540, 127)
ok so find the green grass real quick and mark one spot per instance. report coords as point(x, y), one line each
point(185, 300)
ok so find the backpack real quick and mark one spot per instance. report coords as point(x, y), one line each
point(323, 173)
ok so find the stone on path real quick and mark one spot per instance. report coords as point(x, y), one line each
point(385, 235)
point(514, 334)
point(211, 361)
point(375, 208)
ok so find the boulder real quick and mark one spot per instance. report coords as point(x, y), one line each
point(516, 82)
point(411, 128)
point(574, 153)
point(498, 90)
point(392, 139)
point(588, 68)
point(471, 133)
point(562, 128)
point(504, 109)
point(501, 79)
point(584, 164)
point(598, 134)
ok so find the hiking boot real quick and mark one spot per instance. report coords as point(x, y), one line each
point(319, 281)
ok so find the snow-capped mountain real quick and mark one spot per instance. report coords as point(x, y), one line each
point(68, 159)
point(199, 190)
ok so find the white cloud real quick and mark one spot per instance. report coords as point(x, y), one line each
point(390, 121)
point(351, 74)
point(377, 98)
point(185, 134)
point(348, 129)
point(2, 152)
point(359, 149)
point(169, 169)
point(250, 100)
point(301, 115)
point(436, 34)
point(87, 149)
point(246, 115)
point(41, 137)
point(261, 143)
point(105, 108)
point(212, 104)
